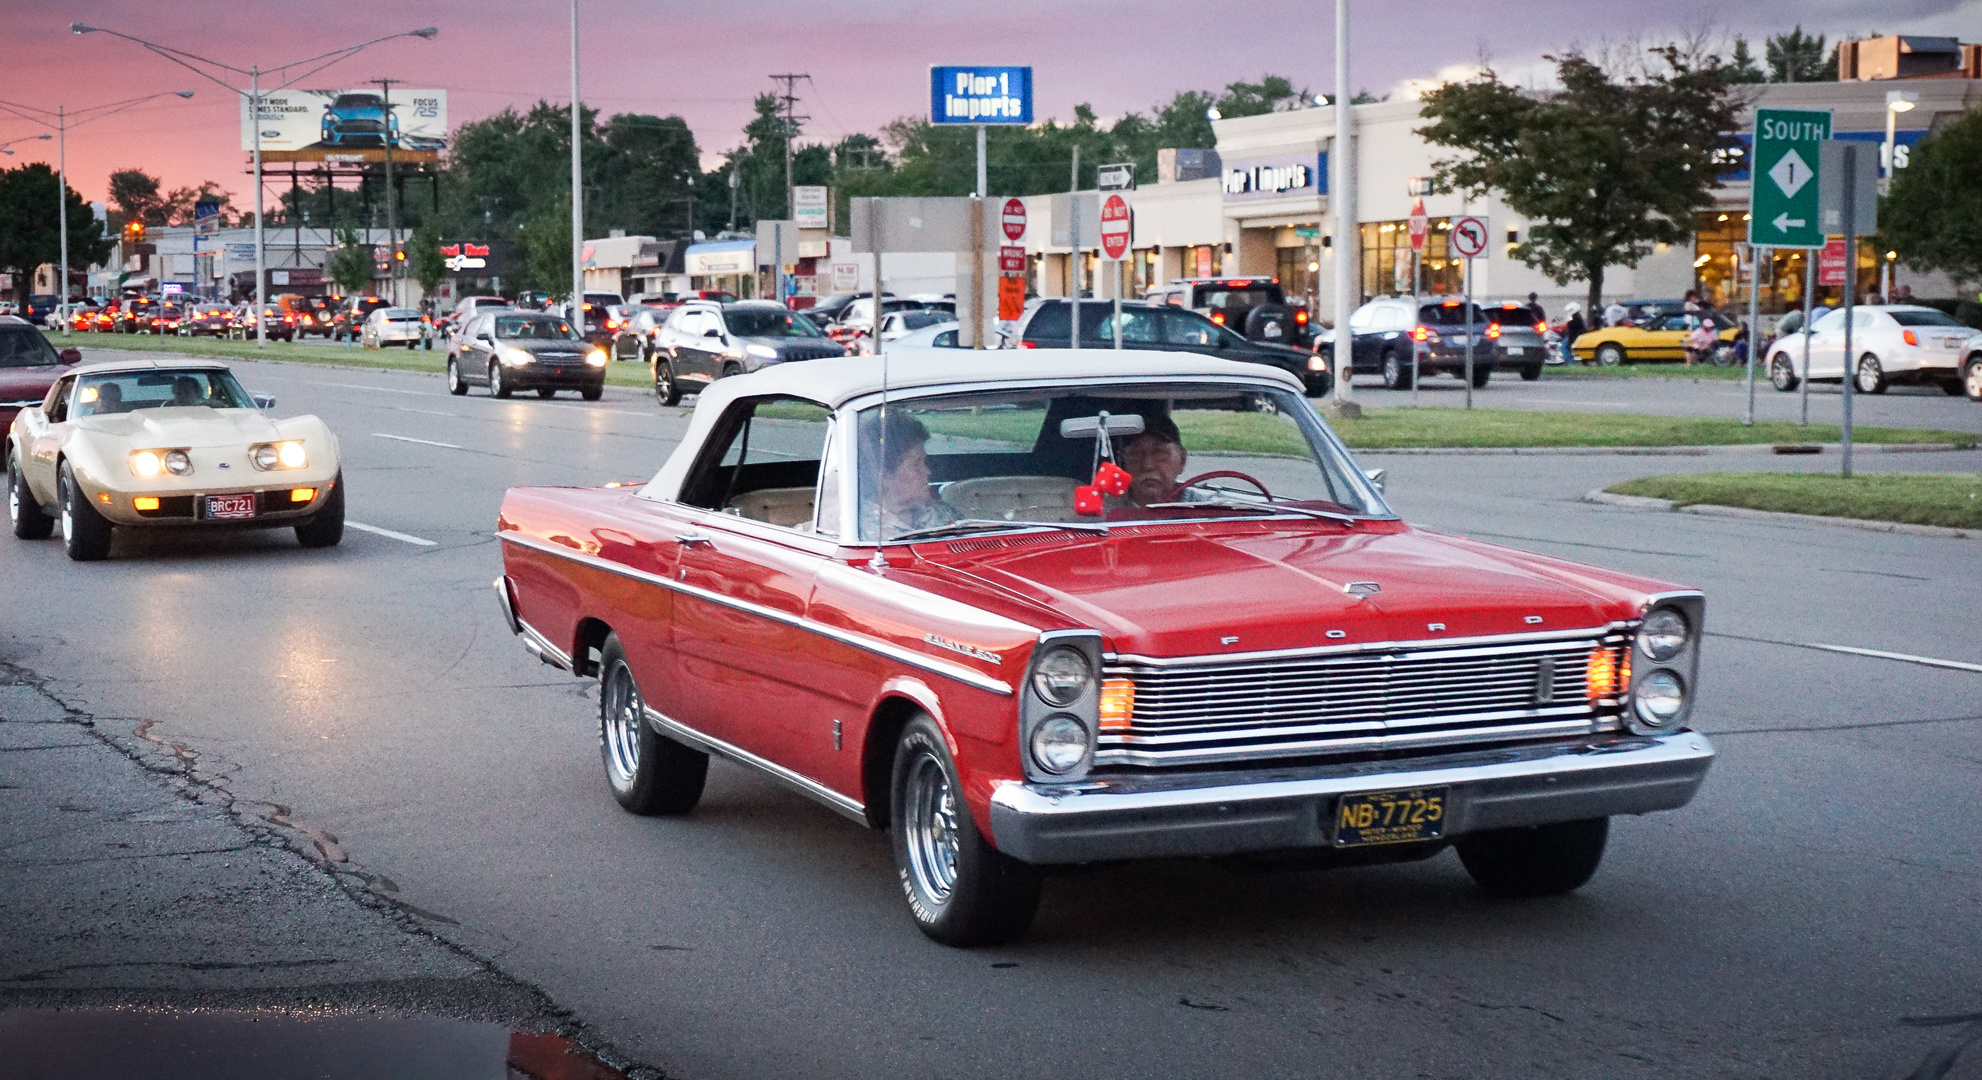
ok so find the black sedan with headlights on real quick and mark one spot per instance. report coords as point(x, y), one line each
point(509, 350)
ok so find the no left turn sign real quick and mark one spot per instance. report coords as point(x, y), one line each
point(1469, 237)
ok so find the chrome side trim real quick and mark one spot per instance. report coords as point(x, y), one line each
point(709, 744)
point(507, 605)
point(1439, 644)
point(888, 649)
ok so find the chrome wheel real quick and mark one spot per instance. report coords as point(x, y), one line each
point(1782, 373)
point(1871, 375)
point(1973, 382)
point(931, 830)
point(68, 516)
point(619, 728)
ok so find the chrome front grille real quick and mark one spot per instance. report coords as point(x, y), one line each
point(1359, 700)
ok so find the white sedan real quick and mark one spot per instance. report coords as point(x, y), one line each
point(393, 326)
point(1895, 344)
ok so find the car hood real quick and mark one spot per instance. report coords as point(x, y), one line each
point(548, 348)
point(20, 384)
point(188, 426)
point(1194, 591)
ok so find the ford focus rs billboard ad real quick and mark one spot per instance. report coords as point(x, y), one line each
point(355, 125)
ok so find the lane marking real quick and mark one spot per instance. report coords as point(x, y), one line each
point(379, 389)
point(362, 527)
point(422, 442)
point(1929, 661)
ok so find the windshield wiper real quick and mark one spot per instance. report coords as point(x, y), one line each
point(983, 524)
point(1265, 508)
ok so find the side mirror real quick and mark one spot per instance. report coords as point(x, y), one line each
point(264, 401)
point(712, 332)
point(71, 356)
point(1375, 477)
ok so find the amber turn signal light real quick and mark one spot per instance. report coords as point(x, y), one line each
point(302, 494)
point(145, 502)
point(1118, 704)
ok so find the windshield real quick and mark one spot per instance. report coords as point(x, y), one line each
point(1007, 459)
point(1925, 318)
point(23, 346)
point(127, 391)
point(399, 314)
point(916, 320)
point(752, 322)
point(534, 328)
point(1225, 298)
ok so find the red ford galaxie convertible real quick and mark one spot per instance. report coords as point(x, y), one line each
point(1054, 607)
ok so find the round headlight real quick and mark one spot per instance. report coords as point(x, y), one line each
point(146, 463)
point(267, 457)
point(1663, 634)
point(178, 463)
point(291, 455)
point(1059, 744)
point(1658, 699)
point(1061, 676)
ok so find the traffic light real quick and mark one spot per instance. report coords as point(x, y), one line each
point(399, 255)
point(134, 232)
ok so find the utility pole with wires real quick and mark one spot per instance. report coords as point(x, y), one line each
point(788, 102)
point(393, 256)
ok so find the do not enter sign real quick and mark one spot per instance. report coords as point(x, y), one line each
point(1115, 227)
point(1014, 220)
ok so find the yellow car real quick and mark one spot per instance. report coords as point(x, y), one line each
point(142, 443)
point(1658, 337)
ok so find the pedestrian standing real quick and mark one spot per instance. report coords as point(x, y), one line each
point(1535, 309)
point(1572, 329)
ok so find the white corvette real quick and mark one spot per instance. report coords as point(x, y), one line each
point(1893, 344)
point(142, 443)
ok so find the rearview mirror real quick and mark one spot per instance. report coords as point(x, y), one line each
point(264, 401)
point(1086, 427)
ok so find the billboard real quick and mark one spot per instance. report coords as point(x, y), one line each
point(347, 125)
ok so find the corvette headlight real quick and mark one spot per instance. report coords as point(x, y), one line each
point(280, 455)
point(596, 358)
point(178, 462)
point(1061, 676)
point(147, 463)
point(515, 357)
point(761, 352)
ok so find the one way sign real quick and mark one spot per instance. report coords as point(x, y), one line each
point(1782, 204)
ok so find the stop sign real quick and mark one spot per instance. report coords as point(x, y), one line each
point(1419, 225)
point(1014, 219)
point(1115, 227)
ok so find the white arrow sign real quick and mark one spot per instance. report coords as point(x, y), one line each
point(1790, 173)
point(1784, 222)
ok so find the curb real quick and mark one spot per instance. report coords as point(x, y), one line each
point(1652, 451)
point(1645, 502)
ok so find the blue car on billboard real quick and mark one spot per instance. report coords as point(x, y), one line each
point(358, 120)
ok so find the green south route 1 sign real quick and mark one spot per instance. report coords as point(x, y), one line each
point(1782, 200)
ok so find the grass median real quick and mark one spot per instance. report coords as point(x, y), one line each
point(1953, 500)
point(307, 352)
point(1673, 370)
point(1379, 428)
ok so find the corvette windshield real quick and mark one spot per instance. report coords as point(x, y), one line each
point(1094, 456)
point(129, 391)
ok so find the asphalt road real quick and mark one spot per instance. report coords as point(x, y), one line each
point(1823, 889)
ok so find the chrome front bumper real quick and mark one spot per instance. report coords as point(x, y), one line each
point(1231, 813)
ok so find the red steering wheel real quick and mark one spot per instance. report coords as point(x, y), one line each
point(1202, 477)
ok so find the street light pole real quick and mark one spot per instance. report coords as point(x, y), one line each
point(577, 308)
point(61, 126)
point(254, 95)
point(1342, 197)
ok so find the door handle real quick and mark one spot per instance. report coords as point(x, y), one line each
point(691, 538)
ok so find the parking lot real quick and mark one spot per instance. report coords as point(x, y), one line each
point(373, 692)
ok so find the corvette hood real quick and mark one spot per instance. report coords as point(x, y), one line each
point(187, 426)
point(1175, 592)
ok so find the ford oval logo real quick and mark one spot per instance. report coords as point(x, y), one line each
point(271, 134)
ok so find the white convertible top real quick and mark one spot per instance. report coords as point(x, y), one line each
point(834, 382)
point(188, 364)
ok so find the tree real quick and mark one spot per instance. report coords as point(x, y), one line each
point(1933, 214)
point(179, 203)
point(134, 197)
point(350, 265)
point(1799, 57)
point(425, 262)
point(30, 225)
point(1741, 67)
point(1602, 169)
point(547, 249)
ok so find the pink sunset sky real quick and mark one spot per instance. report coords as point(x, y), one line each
point(868, 60)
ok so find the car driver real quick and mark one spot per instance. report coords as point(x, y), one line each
point(1154, 460)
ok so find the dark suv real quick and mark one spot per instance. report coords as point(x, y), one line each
point(29, 365)
point(1254, 306)
point(1385, 328)
point(1162, 327)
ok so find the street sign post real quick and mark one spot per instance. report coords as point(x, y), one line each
point(1115, 225)
point(1848, 200)
point(1469, 241)
point(1420, 225)
point(1782, 200)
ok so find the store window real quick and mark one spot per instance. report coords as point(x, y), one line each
point(1298, 269)
point(1386, 257)
point(1720, 244)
